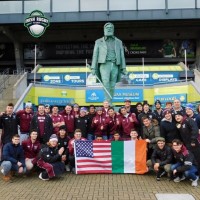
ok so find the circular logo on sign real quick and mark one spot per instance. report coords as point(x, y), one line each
point(67, 77)
point(46, 78)
point(182, 98)
point(132, 76)
point(155, 76)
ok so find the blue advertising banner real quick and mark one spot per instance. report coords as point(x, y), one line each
point(55, 101)
point(75, 79)
point(79, 78)
point(152, 77)
point(171, 97)
point(97, 95)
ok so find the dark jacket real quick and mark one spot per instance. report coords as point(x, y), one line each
point(158, 116)
point(90, 118)
point(13, 153)
point(164, 155)
point(48, 128)
point(50, 154)
point(168, 130)
point(189, 132)
point(63, 142)
point(197, 120)
point(82, 124)
point(149, 114)
point(9, 124)
point(185, 157)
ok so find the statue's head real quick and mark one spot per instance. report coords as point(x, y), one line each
point(108, 29)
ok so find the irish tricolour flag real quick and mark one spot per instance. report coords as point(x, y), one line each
point(110, 157)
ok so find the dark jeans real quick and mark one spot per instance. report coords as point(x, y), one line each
point(190, 173)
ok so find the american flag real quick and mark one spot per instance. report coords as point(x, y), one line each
point(93, 157)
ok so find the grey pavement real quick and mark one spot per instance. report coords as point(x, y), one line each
point(97, 187)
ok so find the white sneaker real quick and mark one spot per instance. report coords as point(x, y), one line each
point(195, 182)
point(44, 179)
point(2, 170)
point(182, 178)
point(177, 179)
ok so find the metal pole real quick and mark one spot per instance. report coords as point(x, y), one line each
point(185, 65)
point(166, 6)
point(143, 71)
point(86, 64)
point(51, 8)
point(79, 6)
point(108, 7)
point(35, 63)
point(137, 5)
point(103, 86)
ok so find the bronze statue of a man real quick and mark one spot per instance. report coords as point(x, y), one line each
point(108, 61)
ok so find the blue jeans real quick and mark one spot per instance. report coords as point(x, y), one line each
point(8, 166)
point(190, 173)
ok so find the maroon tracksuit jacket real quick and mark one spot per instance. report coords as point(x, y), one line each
point(97, 122)
point(111, 124)
point(126, 124)
point(31, 150)
point(24, 120)
point(69, 121)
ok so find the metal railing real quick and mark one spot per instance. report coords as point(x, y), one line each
point(4, 79)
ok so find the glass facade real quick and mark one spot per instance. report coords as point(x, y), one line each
point(65, 5)
point(43, 5)
point(93, 5)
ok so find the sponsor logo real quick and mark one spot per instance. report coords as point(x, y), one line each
point(93, 96)
point(36, 23)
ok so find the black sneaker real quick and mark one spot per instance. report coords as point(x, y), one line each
point(160, 173)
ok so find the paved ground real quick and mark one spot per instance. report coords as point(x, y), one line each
point(88, 187)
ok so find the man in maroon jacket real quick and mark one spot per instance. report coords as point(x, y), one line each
point(128, 121)
point(106, 106)
point(69, 120)
point(31, 149)
point(57, 119)
point(25, 116)
point(112, 123)
point(77, 136)
point(98, 124)
point(43, 124)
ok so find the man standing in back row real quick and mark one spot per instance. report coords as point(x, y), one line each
point(108, 61)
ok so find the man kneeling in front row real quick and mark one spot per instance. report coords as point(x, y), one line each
point(13, 158)
point(160, 159)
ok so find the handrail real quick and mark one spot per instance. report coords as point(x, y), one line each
point(19, 103)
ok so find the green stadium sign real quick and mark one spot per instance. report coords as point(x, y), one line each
point(36, 23)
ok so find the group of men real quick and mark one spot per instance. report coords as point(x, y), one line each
point(46, 137)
